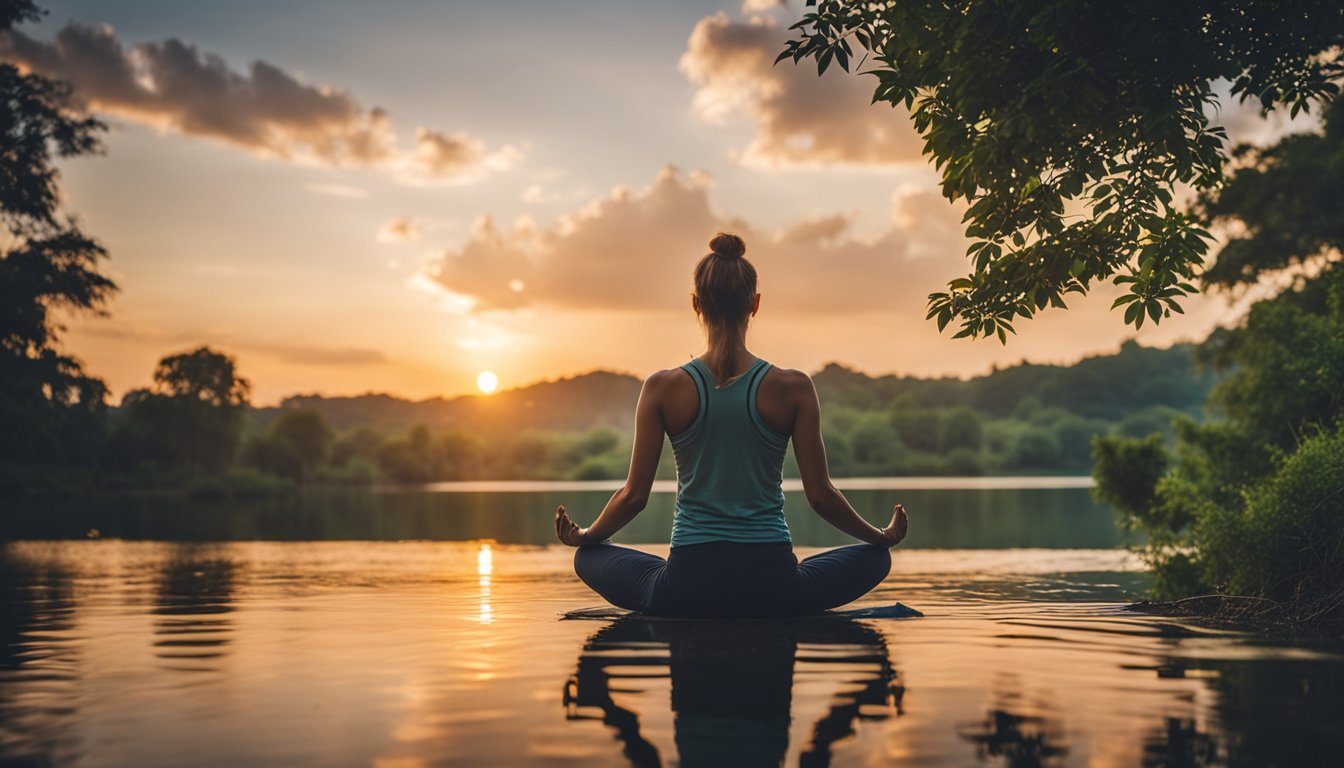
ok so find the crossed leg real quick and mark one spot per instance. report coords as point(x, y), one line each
point(624, 577)
point(634, 580)
point(842, 575)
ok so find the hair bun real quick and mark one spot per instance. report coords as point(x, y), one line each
point(727, 246)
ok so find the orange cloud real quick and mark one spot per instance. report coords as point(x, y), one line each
point(801, 119)
point(635, 250)
point(401, 229)
point(172, 85)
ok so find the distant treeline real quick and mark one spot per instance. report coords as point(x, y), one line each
point(1023, 419)
point(195, 428)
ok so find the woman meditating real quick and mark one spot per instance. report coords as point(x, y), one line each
point(729, 416)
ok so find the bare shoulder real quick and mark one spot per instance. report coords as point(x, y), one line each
point(664, 378)
point(659, 384)
point(791, 383)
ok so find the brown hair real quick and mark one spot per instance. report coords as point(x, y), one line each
point(725, 284)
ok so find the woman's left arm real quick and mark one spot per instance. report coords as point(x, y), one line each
point(634, 495)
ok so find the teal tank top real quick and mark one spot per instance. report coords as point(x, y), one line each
point(729, 465)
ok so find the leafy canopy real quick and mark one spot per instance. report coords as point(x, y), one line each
point(202, 374)
point(1254, 503)
point(47, 265)
point(1289, 199)
point(193, 416)
point(1069, 124)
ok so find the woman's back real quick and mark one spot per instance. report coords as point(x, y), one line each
point(729, 463)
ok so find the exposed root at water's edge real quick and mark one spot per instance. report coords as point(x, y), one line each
point(1323, 617)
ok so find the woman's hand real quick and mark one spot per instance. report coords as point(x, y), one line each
point(894, 533)
point(567, 530)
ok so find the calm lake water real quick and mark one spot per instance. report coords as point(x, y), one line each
point(412, 627)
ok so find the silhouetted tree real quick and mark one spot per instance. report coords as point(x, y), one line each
point(273, 456)
point(202, 374)
point(1026, 107)
point(306, 432)
point(192, 416)
point(51, 410)
point(358, 443)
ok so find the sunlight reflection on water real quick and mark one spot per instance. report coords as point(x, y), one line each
point(424, 653)
point(485, 567)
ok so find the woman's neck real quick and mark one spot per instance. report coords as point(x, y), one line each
point(726, 354)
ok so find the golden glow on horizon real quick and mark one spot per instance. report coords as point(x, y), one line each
point(487, 382)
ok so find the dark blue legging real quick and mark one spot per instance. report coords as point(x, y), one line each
point(725, 579)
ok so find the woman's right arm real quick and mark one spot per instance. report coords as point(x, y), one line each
point(822, 494)
point(632, 497)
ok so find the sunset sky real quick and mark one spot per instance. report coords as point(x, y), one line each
point(353, 197)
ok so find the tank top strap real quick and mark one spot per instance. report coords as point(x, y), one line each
point(702, 379)
point(754, 379)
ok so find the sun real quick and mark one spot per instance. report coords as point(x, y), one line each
point(487, 382)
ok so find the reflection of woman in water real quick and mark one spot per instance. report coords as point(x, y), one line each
point(729, 416)
point(734, 708)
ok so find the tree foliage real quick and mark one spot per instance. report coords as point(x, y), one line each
point(1218, 512)
point(307, 433)
point(193, 416)
point(1291, 197)
point(1068, 125)
point(202, 374)
point(51, 409)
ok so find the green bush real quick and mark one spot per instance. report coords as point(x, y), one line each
point(273, 456)
point(607, 467)
point(1127, 472)
point(963, 461)
point(1035, 448)
point(356, 471)
point(402, 463)
point(1252, 504)
point(1284, 541)
point(1146, 422)
point(250, 482)
point(1074, 435)
point(962, 429)
point(875, 447)
point(918, 427)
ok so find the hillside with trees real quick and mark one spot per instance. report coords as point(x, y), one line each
point(194, 428)
point(1028, 419)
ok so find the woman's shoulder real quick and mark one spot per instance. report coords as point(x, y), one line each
point(668, 378)
point(788, 381)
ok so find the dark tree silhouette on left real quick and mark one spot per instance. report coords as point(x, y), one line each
point(52, 412)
